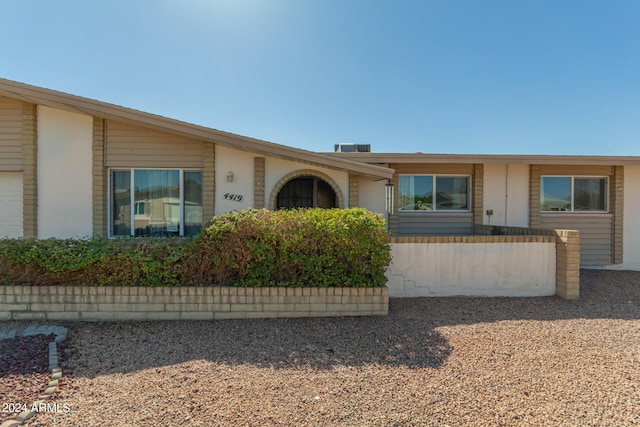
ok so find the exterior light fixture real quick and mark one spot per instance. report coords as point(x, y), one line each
point(230, 176)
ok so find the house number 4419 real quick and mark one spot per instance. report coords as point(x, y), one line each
point(234, 197)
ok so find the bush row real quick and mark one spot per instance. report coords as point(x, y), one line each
point(294, 248)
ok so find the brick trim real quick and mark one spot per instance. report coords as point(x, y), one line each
point(616, 196)
point(30, 171)
point(208, 181)
point(534, 196)
point(478, 193)
point(99, 172)
point(258, 182)
point(354, 190)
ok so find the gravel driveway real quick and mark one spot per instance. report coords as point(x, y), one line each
point(432, 361)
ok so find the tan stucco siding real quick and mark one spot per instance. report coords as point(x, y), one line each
point(135, 146)
point(11, 135)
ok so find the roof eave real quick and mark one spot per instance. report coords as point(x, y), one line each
point(529, 159)
point(77, 104)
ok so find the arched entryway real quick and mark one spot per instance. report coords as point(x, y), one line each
point(306, 189)
point(306, 192)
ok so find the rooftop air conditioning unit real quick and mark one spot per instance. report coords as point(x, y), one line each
point(352, 148)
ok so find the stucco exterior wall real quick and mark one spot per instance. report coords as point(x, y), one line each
point(64, 174)
point(276, 169)
point(242, 165)
point(372, 195)
point(472, 269)
point(506, 192)
point(631, 254)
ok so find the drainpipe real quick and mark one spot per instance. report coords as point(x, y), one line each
point(506, 195)
point(388, 189)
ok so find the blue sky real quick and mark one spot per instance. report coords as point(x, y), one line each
point(434, 76)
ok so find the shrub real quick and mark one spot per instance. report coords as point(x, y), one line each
point(305, 247)
point(121, 262)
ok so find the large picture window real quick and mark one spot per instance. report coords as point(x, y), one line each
point(416, 193)
point(573, 194)
point(165, 202)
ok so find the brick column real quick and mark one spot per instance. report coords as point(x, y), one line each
point(567, 264)
point(30, 171)
point(478, 193)
point(258, 182)
point(354, 191)
point(616, 207)
point(208, 181)
point(99, 184)
point(534, 196)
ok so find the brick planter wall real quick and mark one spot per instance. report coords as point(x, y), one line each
point(95, 303)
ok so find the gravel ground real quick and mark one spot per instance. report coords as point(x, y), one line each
point(432, 361)
point(24, 370)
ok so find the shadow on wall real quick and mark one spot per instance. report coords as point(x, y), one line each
point(408, 337)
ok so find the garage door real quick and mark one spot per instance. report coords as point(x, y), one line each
point(10, 205)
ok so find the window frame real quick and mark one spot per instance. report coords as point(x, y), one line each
point(572, 188)
point(131, 170)
point(434, 178)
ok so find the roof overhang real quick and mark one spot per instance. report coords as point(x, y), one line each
point(77, 104)
point(387, 158)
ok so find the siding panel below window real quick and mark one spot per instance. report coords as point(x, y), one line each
point(133, 146)
point(10, 135)
point(595, 234)
point(430, 223)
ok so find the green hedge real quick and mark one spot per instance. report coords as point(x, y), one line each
point(119, 262)
point(305, 247)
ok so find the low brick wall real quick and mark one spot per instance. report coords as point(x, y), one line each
point(568, 264)
point(108, 303)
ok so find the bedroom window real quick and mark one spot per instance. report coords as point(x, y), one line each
point(573, 194)
point(165, 202)
point(416, 193)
